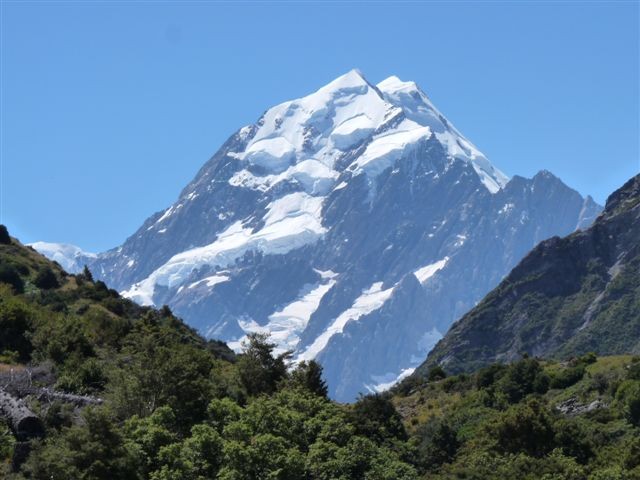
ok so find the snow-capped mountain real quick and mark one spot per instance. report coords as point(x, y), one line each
point(71, 258)
point(354, 224)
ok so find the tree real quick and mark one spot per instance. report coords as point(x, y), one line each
point(86, 274)
point(197, 457)
point(259, 371)
point(574, 440)
point(160, 372)
point(522, 378)
point(93, 449)
point(15, 324)
point(9, 275)
point(526, 427)
point(150, 434)
point(308, 375)
point(375, 417)
point(628, 396)
point(436, 373)
point(46, 279)
point(5, 239)
point(438, 443)
point(265, 457)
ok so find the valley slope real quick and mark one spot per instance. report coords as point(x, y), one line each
point(567, 297)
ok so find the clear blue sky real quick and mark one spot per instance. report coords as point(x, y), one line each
point(109, 109)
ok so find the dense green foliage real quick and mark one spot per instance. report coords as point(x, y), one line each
point(528, 420)
point(179, 407)
point(175, 406)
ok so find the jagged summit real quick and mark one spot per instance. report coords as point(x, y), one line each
point(308, 138)
point(353, 78)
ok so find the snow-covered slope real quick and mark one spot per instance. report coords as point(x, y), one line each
point(354, 224)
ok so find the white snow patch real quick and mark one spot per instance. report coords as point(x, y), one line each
point(211, 281)
point(291, 222)
point(168, 212)
point(352, 131)
point(286, 325)
point(272, 153)
point(425, 273)
point(383, 151)
point(314, 177)
point(371, 299)
point(388, 380)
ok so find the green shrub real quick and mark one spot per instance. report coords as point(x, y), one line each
point(526, 428)
point(438, 443)
point(436, 373)
point(567, 377)
point(5, 239)
point(9, 275)
point(46, 279)
point(521, 379)
point(375, 417)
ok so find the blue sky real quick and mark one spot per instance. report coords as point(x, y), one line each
point(109, 109)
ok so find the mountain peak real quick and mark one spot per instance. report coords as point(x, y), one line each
point(316, 131)
point(353, 78)
point(394, 84)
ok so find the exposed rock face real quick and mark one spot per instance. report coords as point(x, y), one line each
point(567, 297)
point(573, 407)
point(355, 225)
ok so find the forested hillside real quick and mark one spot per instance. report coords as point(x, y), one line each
point(112, 390)
point(155, 400)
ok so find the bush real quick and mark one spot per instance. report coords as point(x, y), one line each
point(487, 376)
point(522, 378)
point(375, 417)
point(589, 358)
point(86, 274)
point(15, 324)
point(574, 440)
point(308, 375)
point(633, 371)
point(436, 373)
point(525, 428)
point(9, 274)
point(599, 382)
point(259, 371)
point(567, 377)
point(46, 279)
point(628, 396)
point(5, 239)
point(438, 443)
